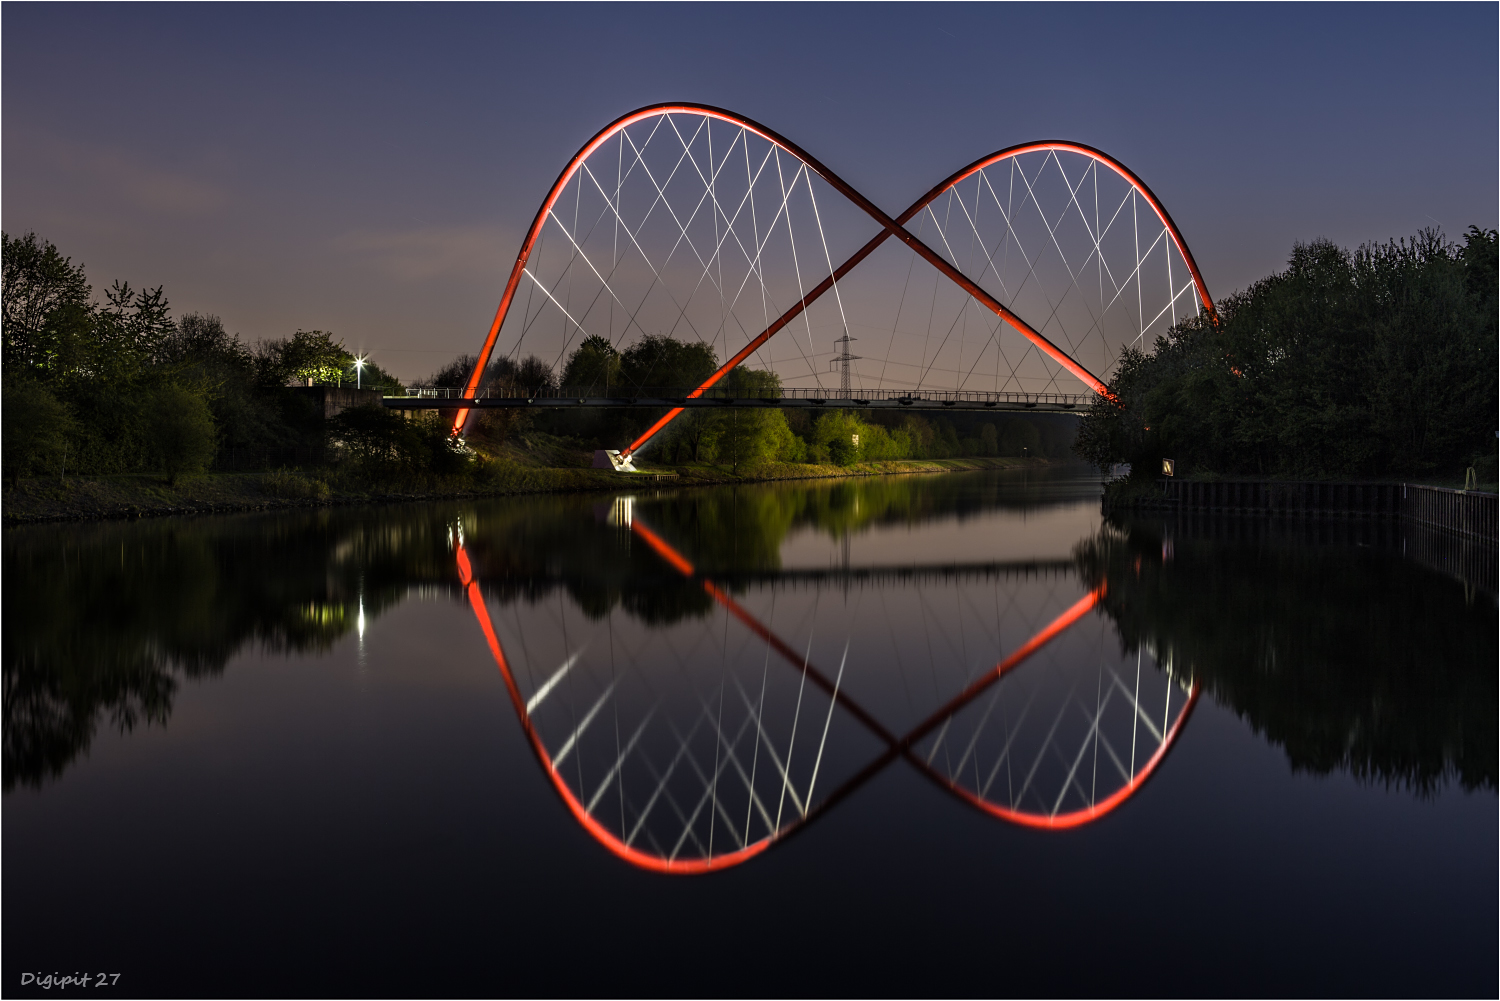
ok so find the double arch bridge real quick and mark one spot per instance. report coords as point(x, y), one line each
point(687, 739)
point(1042, 263)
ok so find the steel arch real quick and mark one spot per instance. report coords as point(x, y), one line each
point(889, 227)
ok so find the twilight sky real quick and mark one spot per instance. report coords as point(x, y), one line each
point(371, 170)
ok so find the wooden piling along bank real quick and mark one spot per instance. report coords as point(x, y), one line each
point(1454, 531)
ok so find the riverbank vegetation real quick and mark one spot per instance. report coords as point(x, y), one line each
point(743, 437)
point(1375, 363)
point(121, 386)
point(118, 387)
point(143, 495)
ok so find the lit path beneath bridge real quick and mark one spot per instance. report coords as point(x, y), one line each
point(448, 399)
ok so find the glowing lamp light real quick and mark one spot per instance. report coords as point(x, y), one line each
point(359, 371)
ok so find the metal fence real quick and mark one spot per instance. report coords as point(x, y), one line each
point(1467, 513)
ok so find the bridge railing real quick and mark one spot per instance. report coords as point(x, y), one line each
point(680, 395)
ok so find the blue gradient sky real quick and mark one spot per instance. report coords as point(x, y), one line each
point(371, 170)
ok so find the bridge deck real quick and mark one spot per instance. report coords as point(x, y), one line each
point(449, 399)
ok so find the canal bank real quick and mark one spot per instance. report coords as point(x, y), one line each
point(133, 496)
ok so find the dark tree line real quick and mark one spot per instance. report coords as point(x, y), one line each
point(1374, 363)
point(121, 386)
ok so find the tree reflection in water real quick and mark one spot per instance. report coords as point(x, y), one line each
point(101, 621)
point(1349, 658)
point(1346, 656)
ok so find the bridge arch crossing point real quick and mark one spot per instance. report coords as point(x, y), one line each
point(1194, 288)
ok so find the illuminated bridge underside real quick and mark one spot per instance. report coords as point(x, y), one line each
point(1046, 260)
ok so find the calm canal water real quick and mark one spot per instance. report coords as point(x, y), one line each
point(958, 734)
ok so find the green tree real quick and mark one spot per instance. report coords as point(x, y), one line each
point(660, 361)
point(738, 437)
point(383, 443)
point(532, 373)
point(67, 347)
point(1378, 362)
point(594, 367)
point(455, 374)
point(878, 444)
point(841, 451)
point(918, 435)
point(437, 448)
point(653, 364)
point(989, 440)
point(751, 437)
point(372, 436)
point(694, 435)
point(182, 430)
point(312, 357)
point(132, 328)
point(201, 352)
point(35, 282)
point(37, 429)
point(834, 432)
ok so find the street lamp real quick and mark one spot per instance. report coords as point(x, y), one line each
point(359, 371)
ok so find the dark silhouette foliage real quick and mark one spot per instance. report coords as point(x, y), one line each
point(382, 443)
point(138, 390)
point(1375, 363)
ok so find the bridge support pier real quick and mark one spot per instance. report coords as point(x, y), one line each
point(609, 458)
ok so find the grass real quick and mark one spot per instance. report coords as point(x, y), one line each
point(767, 471)
point(89, 498)
point(295, 485)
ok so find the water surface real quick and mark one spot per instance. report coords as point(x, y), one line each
point(953, 734)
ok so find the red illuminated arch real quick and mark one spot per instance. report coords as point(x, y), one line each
point(889, 227)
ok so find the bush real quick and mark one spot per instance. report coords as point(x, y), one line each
point(382, 442)
point(37, 426)
point(833, 434)
point(841, 452)
point(181, 429)
point(289, 484)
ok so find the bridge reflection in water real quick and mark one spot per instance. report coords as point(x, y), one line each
point(693, 742)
